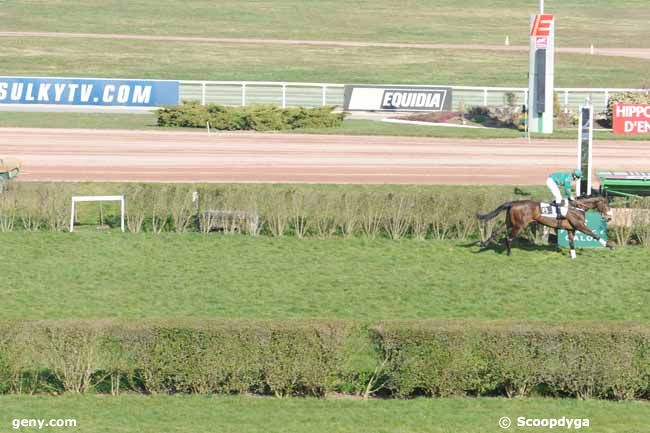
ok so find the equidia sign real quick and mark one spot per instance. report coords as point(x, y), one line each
point(397, 98)
point(80, 91)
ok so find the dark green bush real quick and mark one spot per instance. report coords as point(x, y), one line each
point(282, 358)
point(583, 360)
point(256, 117)
point(177, 356)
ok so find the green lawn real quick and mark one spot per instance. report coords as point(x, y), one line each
point(208, 61)
point(579, 23)
point(349, 127)
point(26, 119)
point(92, 275)
point(190, 414)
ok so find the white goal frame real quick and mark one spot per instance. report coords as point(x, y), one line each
point(96, 198)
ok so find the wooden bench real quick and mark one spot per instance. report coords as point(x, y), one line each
point(229, 221)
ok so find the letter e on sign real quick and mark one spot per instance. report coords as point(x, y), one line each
point(542, 25)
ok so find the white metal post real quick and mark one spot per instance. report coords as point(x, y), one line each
point(606, 97)
point(485, 97)
point(585, 138)
point(324, 94)
point(541, 6)
point(203, 93)
point(243, 94)
point(122, 213)
point(566, 101)
point(284, 96)
point(72, 212)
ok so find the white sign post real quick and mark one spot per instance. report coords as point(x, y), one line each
point(585, 141)
point(541, 73)
point(97, 198)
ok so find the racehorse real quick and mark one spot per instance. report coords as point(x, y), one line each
point(520, 214)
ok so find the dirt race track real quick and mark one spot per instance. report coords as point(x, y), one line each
point(110, 155)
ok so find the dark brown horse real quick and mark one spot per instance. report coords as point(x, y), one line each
point(520, 214)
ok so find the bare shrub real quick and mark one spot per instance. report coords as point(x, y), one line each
point(421, 218)
point(463, 216)
point(55, 197)
point(276, 212)
point(208, 205)
point(325, 215)
point(398, 214)
point(622, 234)
point(69, 350)
point(347, 214)
point(371, 213)
point(250, 202)
point(32, 204)
point(8, 206)
point(181, 207)
point(441, 216)
point(159, 209)
point(641, 221)
point(300, 207)
point(138, 200)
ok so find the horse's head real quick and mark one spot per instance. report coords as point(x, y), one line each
point(598, 203)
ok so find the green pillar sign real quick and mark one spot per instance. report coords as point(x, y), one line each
point(596, 223)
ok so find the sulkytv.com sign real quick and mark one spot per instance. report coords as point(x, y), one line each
point(396, 98)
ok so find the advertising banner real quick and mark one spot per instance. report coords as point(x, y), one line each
point(631, 118)
point(397, 98)
point(90, 92)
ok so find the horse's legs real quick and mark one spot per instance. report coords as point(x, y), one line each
point(508, 230)
point(571, 234)
point(512, 234)
point(496, 233)
point(582, 227)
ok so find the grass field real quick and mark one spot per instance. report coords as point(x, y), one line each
point(165, 414)
point(92, 275)
point(579, 23)
point(205, 61)
point(349, 127)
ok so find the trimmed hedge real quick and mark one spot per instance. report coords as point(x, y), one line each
point(255, 117)
point(624, 98)
point(583, 360)
point(281, 211)
point(283, 358)
point(174, 356)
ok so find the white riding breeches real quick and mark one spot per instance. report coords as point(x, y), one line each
point(555, 190)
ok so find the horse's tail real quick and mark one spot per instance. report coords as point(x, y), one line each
point(495, 212)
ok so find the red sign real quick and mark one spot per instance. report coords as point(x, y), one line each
point(542, 25)
point(631, 118)
point(541, 42)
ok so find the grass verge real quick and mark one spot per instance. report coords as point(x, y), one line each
point(477, 21)
point(349, 127)
point(94, 275)
point(185, 414)
point(209, 61)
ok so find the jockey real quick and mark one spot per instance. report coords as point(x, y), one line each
point(559, 183)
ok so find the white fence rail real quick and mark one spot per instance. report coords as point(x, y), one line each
point(259, 92)
point(287, 94)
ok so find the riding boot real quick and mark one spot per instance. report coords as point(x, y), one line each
point(558, 210)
